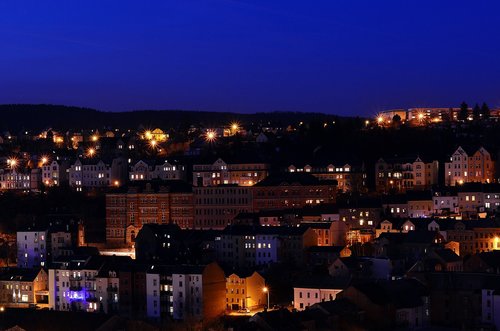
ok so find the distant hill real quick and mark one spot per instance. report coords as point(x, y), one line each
point(38, 117)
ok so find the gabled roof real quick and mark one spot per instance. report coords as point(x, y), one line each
point(19, 274)
point(447, 255)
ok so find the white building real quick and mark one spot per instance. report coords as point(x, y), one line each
point(20, 180)
point(54, 173)
point(490, 307)
point(144, 170)
point(31, 248)
point(89, 174)
point(314, 291)
point(199, 292)
point(445, 203)
point(88, 284)
point(491, 201)
point(153, 294)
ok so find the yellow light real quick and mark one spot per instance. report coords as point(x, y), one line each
point(12, 163)
point(44, 159)
point(235, 126)
point(91, 152)
point(265, 289)
point(420, 116)
point(148, 135)
point(367, 122)
point(95, 138)
point(210, 136)
point(117, 183)
point(461, 181)
point(2, 309)
point(380, 119)
point(153, 143)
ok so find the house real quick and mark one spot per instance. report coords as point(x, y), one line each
point(471, 165)
point(152, 169)
point(420, 204)
point(199, 292)
point(21, 287)
point(245, 290)
point(349, 178)
point(400, 174)
point(32, 248)
point(55, 173)
point(86, 283)
point(488, 262)
point(391, 304)
point(456, 298)
point(89, 173)
point(292, 190)
point(221, 172)
point(168, 243)
point(316, 289)
point(247, 246)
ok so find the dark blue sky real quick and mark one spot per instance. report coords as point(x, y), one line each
point(336, 56)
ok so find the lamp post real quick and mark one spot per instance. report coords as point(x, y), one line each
point(266, 290)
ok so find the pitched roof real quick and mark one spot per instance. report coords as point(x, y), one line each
point(19, 274)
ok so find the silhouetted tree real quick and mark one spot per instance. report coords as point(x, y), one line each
point(396, 121)
point(464, 112)
point(485, 111)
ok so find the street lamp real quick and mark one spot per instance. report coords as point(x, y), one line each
point(266, 290)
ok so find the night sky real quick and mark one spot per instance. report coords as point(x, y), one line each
point(344, 57)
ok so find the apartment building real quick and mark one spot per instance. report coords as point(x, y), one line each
point(221, 172)
point(215, 207)
point(468, 166)
point(152, 169)
point(156, 202)
point(402, 174)
point(349, 178)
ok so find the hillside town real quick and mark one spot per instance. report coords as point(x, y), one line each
point(240, 226)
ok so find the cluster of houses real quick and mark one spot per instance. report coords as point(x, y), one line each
point(411, 269)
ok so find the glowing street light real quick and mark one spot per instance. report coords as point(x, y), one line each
point(235, 126)
point(380, 120)
point(153, 143)
point(210, 136)
point(12, 163)
point(95, 138)
point(148, 135)
point(91, 152)
point(44, 160)
point(266, 290)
